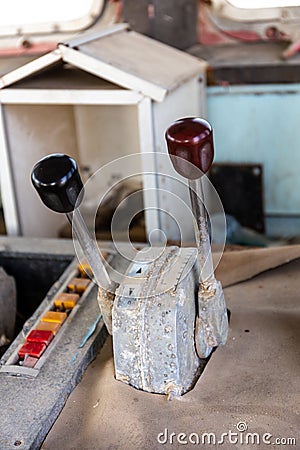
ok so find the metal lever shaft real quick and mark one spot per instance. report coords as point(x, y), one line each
point(201, 231)
point(191, 150)
point(58, 183)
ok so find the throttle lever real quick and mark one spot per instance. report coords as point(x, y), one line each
point(58, 183)
point(191, 149)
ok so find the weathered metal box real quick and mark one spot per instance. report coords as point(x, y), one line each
point(154, 318)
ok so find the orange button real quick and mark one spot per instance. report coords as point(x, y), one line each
point(79, 284)
point(85, 270)
point(48, 326)
point(53, 316)
point(65, 300)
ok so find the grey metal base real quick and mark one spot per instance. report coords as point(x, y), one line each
point(31, 400)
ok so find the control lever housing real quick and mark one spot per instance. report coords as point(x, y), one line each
point(168, 312)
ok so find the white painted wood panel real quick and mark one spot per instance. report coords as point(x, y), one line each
point(104, 135)
point(69, 97)
point(145, 58)
point(34, 132)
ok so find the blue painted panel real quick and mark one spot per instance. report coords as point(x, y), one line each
point(261, 124)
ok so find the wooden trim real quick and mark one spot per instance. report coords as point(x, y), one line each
point(112, 74)
point(6, 182)
point(85, 38)
point(69, 97)
point(30, 68)
point(147, 150)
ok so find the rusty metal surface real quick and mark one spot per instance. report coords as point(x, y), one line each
point(153, 322)
point(106, 301)
point(212, 321)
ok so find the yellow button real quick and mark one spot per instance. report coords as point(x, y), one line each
point(53, 316)
point(85, 270)
point(65, 300)
point(48, 326)
point(78, 285)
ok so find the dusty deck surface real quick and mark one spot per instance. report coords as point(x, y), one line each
point(253, 383)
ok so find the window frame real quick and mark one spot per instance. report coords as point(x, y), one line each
point(258, 4)
point(54, 27)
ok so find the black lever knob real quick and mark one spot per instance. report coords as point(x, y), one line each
point(58, 183)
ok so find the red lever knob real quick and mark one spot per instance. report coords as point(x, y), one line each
point(191, 147)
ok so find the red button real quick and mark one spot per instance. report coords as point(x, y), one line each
point(40, 336)
point(32, 349)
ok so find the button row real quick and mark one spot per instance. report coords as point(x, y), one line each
point(39, 338)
